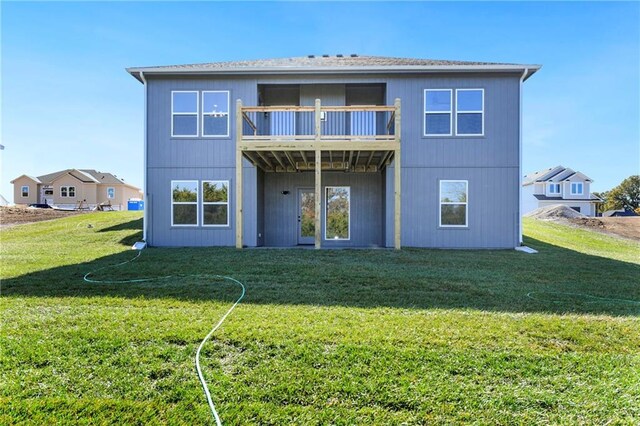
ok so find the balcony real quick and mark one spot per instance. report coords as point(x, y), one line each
point(361, 138)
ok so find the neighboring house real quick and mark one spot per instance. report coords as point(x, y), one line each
point(335, 151)
point(67, 188)
point(559, 185)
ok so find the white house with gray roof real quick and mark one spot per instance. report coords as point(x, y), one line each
point(333, 151)
point(559, 185)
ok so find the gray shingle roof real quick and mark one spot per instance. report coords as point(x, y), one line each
point(103, 177)
point(336, 63)
point(330, 61)
point(553, 174)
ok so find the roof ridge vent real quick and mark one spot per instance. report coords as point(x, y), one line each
point(354, 55)
point(325, 56)
point(311, 56)
point(339, 55)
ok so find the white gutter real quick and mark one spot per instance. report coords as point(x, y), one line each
point(524, 76)
point(144, 176)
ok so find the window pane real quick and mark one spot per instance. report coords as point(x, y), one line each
point(72, 191)
point(469, 100)
point(185, 191)
point(438, 101)
point(25, 191)
point(111, 192)
point(63, 191)
point(185, 214)
point(438, 124)
point(185, 125)
point(215, 214)
point(185, 102)
point(215, 192)
point(215, 125)
point(453, 214)
point(337, 214)
point(216, 103)
point(469, 124)
point(453, 192)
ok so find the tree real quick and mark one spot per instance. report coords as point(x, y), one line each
point(626, 195)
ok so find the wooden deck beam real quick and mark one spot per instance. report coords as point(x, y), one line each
point(238, 174)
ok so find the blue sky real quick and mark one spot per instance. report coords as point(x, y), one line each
point(67, 101)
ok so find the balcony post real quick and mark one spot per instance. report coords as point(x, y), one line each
point(318, 197)
point(318, 121)
point(397, 178)
point(238, 174)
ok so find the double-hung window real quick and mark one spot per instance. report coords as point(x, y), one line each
point(470, 112)
point(25, 191)
point(554, 188)
point(437, 112)
point(337, 213)
point(68, 191)
point(576, 188)
point(453, 203)
point(184, 203)
point(184, 113)
point(215, 203)
point(215, 114)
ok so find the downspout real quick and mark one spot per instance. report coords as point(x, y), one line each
point(144, 177)
point(524, 75)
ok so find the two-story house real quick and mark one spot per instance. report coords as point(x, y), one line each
point(559, 185)
point(333, 151)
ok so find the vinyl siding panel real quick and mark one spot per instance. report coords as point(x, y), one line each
point(281, 211)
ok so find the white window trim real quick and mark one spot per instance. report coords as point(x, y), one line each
point(216, 203)
point(114, 192)
point(469, 112)
point(197, 203)
point(581, 188)
point(22, 191)
point(441, 203)
point(326, 190)
point(425, 112)
point(197, 113)
point(68, 189)
point(228, 113)
point(551, 185)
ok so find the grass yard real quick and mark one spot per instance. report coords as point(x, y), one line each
point(323, 337)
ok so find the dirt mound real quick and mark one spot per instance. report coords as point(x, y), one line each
point(16, 215)
point(555, 212)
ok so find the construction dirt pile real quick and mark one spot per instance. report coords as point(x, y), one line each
point(16, 215)
point(555, 212)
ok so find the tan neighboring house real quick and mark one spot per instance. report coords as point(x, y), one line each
point(74, 187)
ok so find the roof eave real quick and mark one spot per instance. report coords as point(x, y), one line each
point(530, 69)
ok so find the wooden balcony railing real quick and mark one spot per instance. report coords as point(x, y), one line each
point(356, 123)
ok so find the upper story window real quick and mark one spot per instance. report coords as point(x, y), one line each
point(184, 203)
point(554, 188)
point(215, 203)
point(470, 112)
point(453, 203)
point(437, 112)
point(576, 188)
point(111, 192)
point(184, 113)
point(215, 113)
point(67, 191)
point(25, 191)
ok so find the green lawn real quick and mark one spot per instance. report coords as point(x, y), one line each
point(323, 337)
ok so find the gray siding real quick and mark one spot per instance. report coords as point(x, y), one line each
point(281, 211)
point(490, 163)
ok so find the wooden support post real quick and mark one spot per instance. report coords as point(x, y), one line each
point(318, 122)
point(238, 174)
point(318, 198)
point(397, 179)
